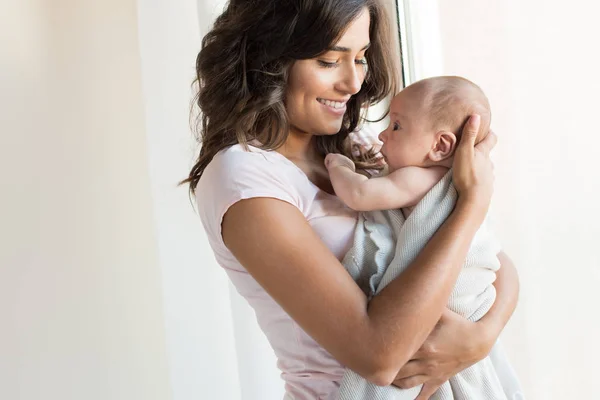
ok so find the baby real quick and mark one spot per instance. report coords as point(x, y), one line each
point(426, 121)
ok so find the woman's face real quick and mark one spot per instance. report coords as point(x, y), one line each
point(318, 89)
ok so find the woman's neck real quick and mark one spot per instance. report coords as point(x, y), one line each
point(299, 147)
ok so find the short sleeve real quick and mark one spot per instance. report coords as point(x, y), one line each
point(236, 174)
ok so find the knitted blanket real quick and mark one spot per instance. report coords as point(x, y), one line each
point(385, 243)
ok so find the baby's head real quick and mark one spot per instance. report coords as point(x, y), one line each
point(427, 118)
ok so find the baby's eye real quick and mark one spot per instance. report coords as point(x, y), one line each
point(396, 126)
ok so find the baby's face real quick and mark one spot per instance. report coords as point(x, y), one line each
point(408, 138)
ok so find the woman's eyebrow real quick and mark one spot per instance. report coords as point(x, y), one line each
point(347, 49)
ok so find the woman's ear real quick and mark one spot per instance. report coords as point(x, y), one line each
point(443, 146)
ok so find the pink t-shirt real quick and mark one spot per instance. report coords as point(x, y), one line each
point(234, 174)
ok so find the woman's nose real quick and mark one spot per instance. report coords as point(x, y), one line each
point(353, 79)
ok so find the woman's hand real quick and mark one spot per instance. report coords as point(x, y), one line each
point(473, 172)
point(454, 345)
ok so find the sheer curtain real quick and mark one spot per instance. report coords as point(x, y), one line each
point(198, 312)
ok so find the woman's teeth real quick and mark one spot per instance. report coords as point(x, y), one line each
point(334, 104)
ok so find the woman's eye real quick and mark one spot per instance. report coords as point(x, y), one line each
point(327, 64)
point(332, 64)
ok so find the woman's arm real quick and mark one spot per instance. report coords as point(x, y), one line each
point(274, 242)
point(443, 356)
point(507, 296)
point(277, 246)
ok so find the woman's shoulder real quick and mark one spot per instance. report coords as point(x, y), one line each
point(238, 153)
point(239, 164)
point(237, 173)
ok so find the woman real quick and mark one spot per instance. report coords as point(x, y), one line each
point(282, 83)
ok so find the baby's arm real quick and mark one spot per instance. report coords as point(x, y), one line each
point(404, 187)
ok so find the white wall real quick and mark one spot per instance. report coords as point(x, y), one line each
point(81, 313)
point(537, 62)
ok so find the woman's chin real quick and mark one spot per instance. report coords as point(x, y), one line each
point(330, 130)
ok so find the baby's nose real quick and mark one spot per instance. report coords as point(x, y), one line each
point(382, 136)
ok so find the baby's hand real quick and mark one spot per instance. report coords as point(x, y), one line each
point(337, 160)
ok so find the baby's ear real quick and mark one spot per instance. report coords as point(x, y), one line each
point(444, 143)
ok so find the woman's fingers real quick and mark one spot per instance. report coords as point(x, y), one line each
point(469, 134)
point(411, 381)
point(488, 143)
point(428, 390)
point(411, 368)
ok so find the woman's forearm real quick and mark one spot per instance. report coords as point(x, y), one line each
point(507, 295)
point(420, 294)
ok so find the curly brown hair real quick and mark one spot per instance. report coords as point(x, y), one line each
point(243, 66)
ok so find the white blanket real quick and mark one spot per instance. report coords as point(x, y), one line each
point(385, 243)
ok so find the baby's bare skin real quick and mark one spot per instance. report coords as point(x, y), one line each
point(402, 188)
point(418, 152)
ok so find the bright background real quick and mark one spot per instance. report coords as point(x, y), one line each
point(108, 288)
